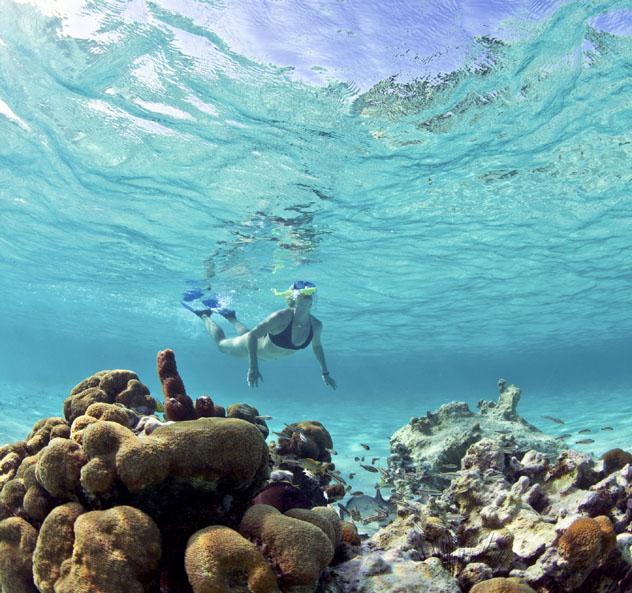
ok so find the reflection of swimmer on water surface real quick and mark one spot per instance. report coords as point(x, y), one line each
point(281, 334)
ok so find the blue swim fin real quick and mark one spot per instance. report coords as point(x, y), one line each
point(214, 305)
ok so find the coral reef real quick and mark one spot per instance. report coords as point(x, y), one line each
point(429, 447)
point(505, 518)
point(112, 499)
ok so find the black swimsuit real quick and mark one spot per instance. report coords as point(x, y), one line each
point(284, 339)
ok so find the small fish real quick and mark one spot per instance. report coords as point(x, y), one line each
point(348, 488)
point(502, 431)
point(263, 418)
point(563, 436)
point(450, 475)
point(585, 442)
point(356, 459)
point(331, 451)
point(373, 460)
point(369, 468)
point(365, 446)
point(584, 431)
point(450, 466)
point(554, 419)
point(282, 436)
point(362, 458)
point(607, 428)
point(352, 475)
point(357, 493)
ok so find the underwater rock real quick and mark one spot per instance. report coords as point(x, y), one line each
point(428, 449)
point(219, 560)
point(502, 585)
point(386, 573)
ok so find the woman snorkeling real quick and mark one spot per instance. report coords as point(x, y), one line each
point(280, 334)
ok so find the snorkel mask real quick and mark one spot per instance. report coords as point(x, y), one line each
point(303, 287)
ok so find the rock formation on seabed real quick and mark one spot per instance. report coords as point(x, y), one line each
point(111, 498)
point(514, 517)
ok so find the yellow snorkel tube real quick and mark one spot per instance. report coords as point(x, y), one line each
point(304, 287)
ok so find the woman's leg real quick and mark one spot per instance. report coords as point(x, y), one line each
point(240, 328)
point(236, 346)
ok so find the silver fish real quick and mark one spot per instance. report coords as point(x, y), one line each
point(554, 419)
point(585, 442)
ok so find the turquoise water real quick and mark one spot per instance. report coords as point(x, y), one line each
point(456, 179)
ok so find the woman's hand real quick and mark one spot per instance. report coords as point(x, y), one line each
point(253, 377)
point(329, 380)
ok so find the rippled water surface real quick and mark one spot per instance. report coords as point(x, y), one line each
point(455, 178)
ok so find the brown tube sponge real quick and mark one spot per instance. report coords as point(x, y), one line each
point(218, 558)
point(178, 405)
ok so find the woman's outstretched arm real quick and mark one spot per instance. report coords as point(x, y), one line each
point(319, 353)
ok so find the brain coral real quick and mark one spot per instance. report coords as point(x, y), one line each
point(315, 443)
point(43, 431)
point(114, 551)
point(58, 468)
point(208, 448)
point(220, 560)
point(17, 542)
point(615, 459)
point(502, 585)
point(324, 518)
point(117, 386)
point(298, 550)
point(587, 542)
point(54, 545)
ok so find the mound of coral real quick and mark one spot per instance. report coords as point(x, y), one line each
point(509, 520)
point(111, 498)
